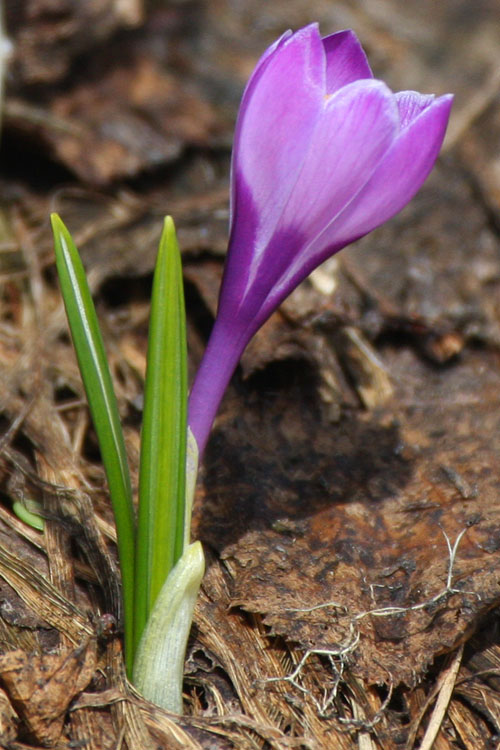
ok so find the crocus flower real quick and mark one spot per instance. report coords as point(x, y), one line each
point(323, 153)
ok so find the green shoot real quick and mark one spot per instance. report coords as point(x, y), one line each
point(101, 397)
point(162, 480)
point(159, 663)
point(27, 516)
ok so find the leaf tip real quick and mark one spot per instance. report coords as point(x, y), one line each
point(60, 230)
point(56, 222)
point(169, 224)
point(169, 234)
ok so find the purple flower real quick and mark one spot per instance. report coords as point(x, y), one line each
point(323, 153)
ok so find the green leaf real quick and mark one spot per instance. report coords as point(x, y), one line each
point(101, 397)
point(162, 480)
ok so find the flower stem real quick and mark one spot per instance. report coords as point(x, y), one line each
point(216, 369)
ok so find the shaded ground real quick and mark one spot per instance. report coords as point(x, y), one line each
point(349, 498)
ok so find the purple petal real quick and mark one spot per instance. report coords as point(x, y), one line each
point(277, 118)
point(411, 104)
point(357, 127)
point(247, 93)
point(398, 177)
point(323, 154)
point(284, 97)
point(242, 244)
point(345, 60)
point(265, 55)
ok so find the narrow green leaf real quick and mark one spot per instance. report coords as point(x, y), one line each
point(101, 397)
point(162, 480)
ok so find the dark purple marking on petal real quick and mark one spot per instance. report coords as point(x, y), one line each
point(242, 252)
point(258, 303)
